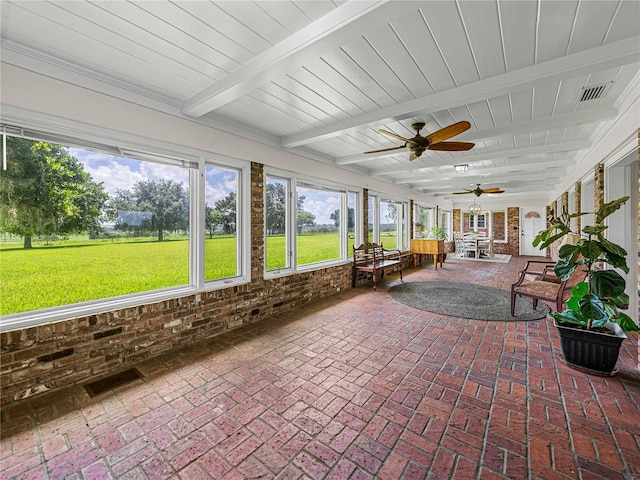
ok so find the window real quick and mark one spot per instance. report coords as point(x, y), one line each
point(80, 225)
point(391, 222)
point(318, 228)
point(445, 223)
point(424, 219)
point(222, 246)
point(318, 220)
point(103, 226)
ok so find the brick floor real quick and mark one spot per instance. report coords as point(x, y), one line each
point(356, 386)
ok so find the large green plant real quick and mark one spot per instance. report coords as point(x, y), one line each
point(598, 299)
point(436, 233)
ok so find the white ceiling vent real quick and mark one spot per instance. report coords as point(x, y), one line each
point(593, 93)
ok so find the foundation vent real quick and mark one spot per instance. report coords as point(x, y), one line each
point(112, 381)
point(593, 93)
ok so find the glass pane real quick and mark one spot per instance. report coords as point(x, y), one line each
point(276, 194)
point(389, 214)
point(79, 225)
point(352, 202)
point(318, 225)
point(370, 221)
point(221, 219)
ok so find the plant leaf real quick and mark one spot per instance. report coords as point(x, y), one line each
point(626, 322)
point(591, 306)
point(590, 249)
point(607, 284)
point(608, 208)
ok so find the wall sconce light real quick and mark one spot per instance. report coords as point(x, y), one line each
point(461, 168)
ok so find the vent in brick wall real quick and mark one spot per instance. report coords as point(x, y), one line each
point(279, 304)
point(107, 333)
point(54, 356)
point(112, 381)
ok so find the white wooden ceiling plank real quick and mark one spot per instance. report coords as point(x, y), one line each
point(226, 30)
point(392, 89)
point(292, 105)
point(554, 30)
point(521, 106)
point(544, 99)
point(393, 52)
point(315, 9)
point(289, 14)
point(80, 44)
point(351, 71)
point(316, 91)
point(255, 18)
point(500, 110)
point(141, 27)
point(421, 45)
point(190, 31)
point(481, 114)
point(569, 93)
point(309, 89)
point(518, 24)
point(341, 85)
point(446, 26)
point(592, 24)
point(626, 22)
point(483, 29)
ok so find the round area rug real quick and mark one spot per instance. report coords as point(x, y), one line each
point(465, 300)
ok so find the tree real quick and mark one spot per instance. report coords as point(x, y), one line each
point(160, 205)
point(335, 216)
point(275, 208)
point(46, 191)
point(305, 219)
point(226, 209)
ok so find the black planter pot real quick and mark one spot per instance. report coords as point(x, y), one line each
point(589, 351)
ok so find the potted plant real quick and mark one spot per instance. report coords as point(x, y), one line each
point(419, 230)
point(592, 326)
point(436, 233)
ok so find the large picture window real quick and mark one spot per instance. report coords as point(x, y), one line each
point(390, 223)
point(79, 225)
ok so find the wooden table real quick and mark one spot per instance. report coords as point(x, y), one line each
point(422, 246)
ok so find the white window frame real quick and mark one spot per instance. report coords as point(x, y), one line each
point(74, 134)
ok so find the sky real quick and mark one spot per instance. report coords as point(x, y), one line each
point(121, 173)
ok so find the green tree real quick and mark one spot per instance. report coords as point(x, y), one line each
point(305, 219)
point(335, 216)
point(226, 209)
point(45, 191)
point(160, 206)
point(211, 220)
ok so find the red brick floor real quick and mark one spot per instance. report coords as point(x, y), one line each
point(355, 386)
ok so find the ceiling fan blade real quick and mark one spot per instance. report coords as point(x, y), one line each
point(395, 135)
point(461, 193)
point(492, 190)
point(385, 149)
point(448, 132)
point(451, 146)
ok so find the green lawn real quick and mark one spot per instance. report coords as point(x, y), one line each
point(79, 270)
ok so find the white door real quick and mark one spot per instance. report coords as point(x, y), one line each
point(532, 220)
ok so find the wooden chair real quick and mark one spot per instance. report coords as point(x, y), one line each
point(538, 282)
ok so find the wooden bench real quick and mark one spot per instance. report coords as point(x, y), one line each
point(373, 258)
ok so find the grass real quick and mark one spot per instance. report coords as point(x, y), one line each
point(78, 270)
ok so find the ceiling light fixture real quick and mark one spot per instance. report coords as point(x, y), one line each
point(461, 168)
point(475, 209)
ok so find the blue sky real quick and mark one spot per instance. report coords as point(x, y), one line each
point(120, 173)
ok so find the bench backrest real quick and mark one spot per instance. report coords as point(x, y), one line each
point(367, 253)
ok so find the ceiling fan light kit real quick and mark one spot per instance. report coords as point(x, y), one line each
point(435, 141)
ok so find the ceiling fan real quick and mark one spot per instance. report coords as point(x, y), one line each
point(436, 141)
point(479, 191)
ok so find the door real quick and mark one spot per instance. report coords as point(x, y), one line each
point(532, 221)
